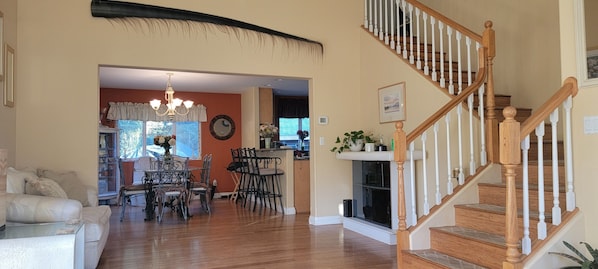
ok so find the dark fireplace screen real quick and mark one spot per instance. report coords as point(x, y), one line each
point(371, 191)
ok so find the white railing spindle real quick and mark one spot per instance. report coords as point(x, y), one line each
point(433, 55)
point(483, 157)
point(449, 184)
point(569, 155)
point(404, 5)
point(556, 209)
point(436, 153)
point(418, 63)
point(449, 32)
point(411, 56)
point(426, 67)
point(526, 242)
point(459, 65)
point(425, 175)
point(441, 44)
point(366, 21)
point(385, 34)
point(472, 165)
point(542, 217)
point(392, 26)
point(412, 167)
point(460, 144)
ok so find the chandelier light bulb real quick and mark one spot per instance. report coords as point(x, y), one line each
point(172, 103)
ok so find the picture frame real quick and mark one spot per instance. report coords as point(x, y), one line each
point(391, 102)
point(9, 76)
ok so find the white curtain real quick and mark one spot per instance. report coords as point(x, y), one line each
point(143, 111)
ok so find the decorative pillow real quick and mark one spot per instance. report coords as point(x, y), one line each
point(69, 182)
point(48, 187)
point(15, 180)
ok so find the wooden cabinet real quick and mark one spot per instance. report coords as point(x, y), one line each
point(108, 174)
point(301, 186)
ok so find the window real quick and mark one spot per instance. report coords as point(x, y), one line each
point(137, 138)
point(288, 131)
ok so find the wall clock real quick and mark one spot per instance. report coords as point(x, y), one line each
point(222, 127)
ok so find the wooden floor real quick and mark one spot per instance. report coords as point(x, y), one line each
point(234, 237)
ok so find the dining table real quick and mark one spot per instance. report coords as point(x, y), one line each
point(156, 180)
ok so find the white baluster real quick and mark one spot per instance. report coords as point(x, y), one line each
point(376, 2)
point(449, 32)
point(556, 209)
point(404, 4)
point(418, 63)
point(426, 67)
point(399, 17)
point(569, 155)
point(392, 26)
point(542, 217)
point(433, 30)
point(438, 196)
point(468, 46)
point(483, 157)
point(459, 65)
point(411, 56)
point(385, 34)
point(441, 44)
point(365, 10)
point(425, 175)
point(381, 22)
point(460, 138)
point(526, 242)
point(449, 185)
point(472, 165)
point(412, 167)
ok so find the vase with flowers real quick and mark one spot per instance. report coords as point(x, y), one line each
point(267, 131)
point(165, 142)
point(302, 134)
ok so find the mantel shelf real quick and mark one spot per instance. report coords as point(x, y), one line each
point(375, 155)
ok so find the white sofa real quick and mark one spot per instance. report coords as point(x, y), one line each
point(33, 197)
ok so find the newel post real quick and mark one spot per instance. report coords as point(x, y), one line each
point(510, 157)
point(488, 41)
point(400, 150)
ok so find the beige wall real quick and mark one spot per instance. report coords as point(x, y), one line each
point(527, 43)
point(584, 145)
point(59, 57)
point(8, 116)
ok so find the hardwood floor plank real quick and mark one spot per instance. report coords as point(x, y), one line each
point(234, 237)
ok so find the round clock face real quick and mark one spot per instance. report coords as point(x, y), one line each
point(222, 127)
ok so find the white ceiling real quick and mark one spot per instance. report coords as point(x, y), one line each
point(153, 79)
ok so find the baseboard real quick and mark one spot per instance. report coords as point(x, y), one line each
point(384, 235)
point(325, 220)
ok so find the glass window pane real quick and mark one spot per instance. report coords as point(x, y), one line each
point(187, 139)
point(131, 142)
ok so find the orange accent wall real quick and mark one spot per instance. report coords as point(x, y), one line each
point(216, 104)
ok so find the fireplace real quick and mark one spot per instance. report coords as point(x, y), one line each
point(372, 192)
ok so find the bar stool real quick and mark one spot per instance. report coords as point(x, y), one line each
point(266, 177)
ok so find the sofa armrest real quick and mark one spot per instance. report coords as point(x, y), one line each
point(92, 196)
point(25, 208)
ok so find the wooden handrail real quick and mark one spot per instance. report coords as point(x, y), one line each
point(480, 79)
point(569, 88)
point(446, 20)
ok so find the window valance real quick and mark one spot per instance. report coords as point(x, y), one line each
point(143, 111)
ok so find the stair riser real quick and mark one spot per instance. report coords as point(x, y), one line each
point(532, 172)
point(499, 101)
point(546, 151)
point(495, 195)
point(413, 262)
point(489, 222)
point(486, 255)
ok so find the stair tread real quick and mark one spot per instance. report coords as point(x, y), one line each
point(443, 259)
point(518, 185)
point(501, 210)
point(473, 234)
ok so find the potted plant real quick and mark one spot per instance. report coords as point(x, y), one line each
point(581, 259)
point(352, 140)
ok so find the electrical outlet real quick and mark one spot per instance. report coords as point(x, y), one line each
point(322, 141)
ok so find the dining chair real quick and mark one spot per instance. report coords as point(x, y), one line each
point(137, 187)
point(171, 188)
point(202, 187)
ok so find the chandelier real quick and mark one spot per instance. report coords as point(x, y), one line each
point(173, 103)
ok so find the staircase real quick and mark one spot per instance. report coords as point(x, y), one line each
point(478, 238)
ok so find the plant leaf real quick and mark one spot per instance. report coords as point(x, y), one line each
point(575, 259)
point(593, 251)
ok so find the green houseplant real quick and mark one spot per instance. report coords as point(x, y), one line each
point(351, 138)
point(581, 259)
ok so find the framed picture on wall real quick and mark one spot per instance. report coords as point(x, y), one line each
point(391, 102)
point(9, 76)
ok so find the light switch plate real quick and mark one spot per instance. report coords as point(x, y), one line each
point(590, 124)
